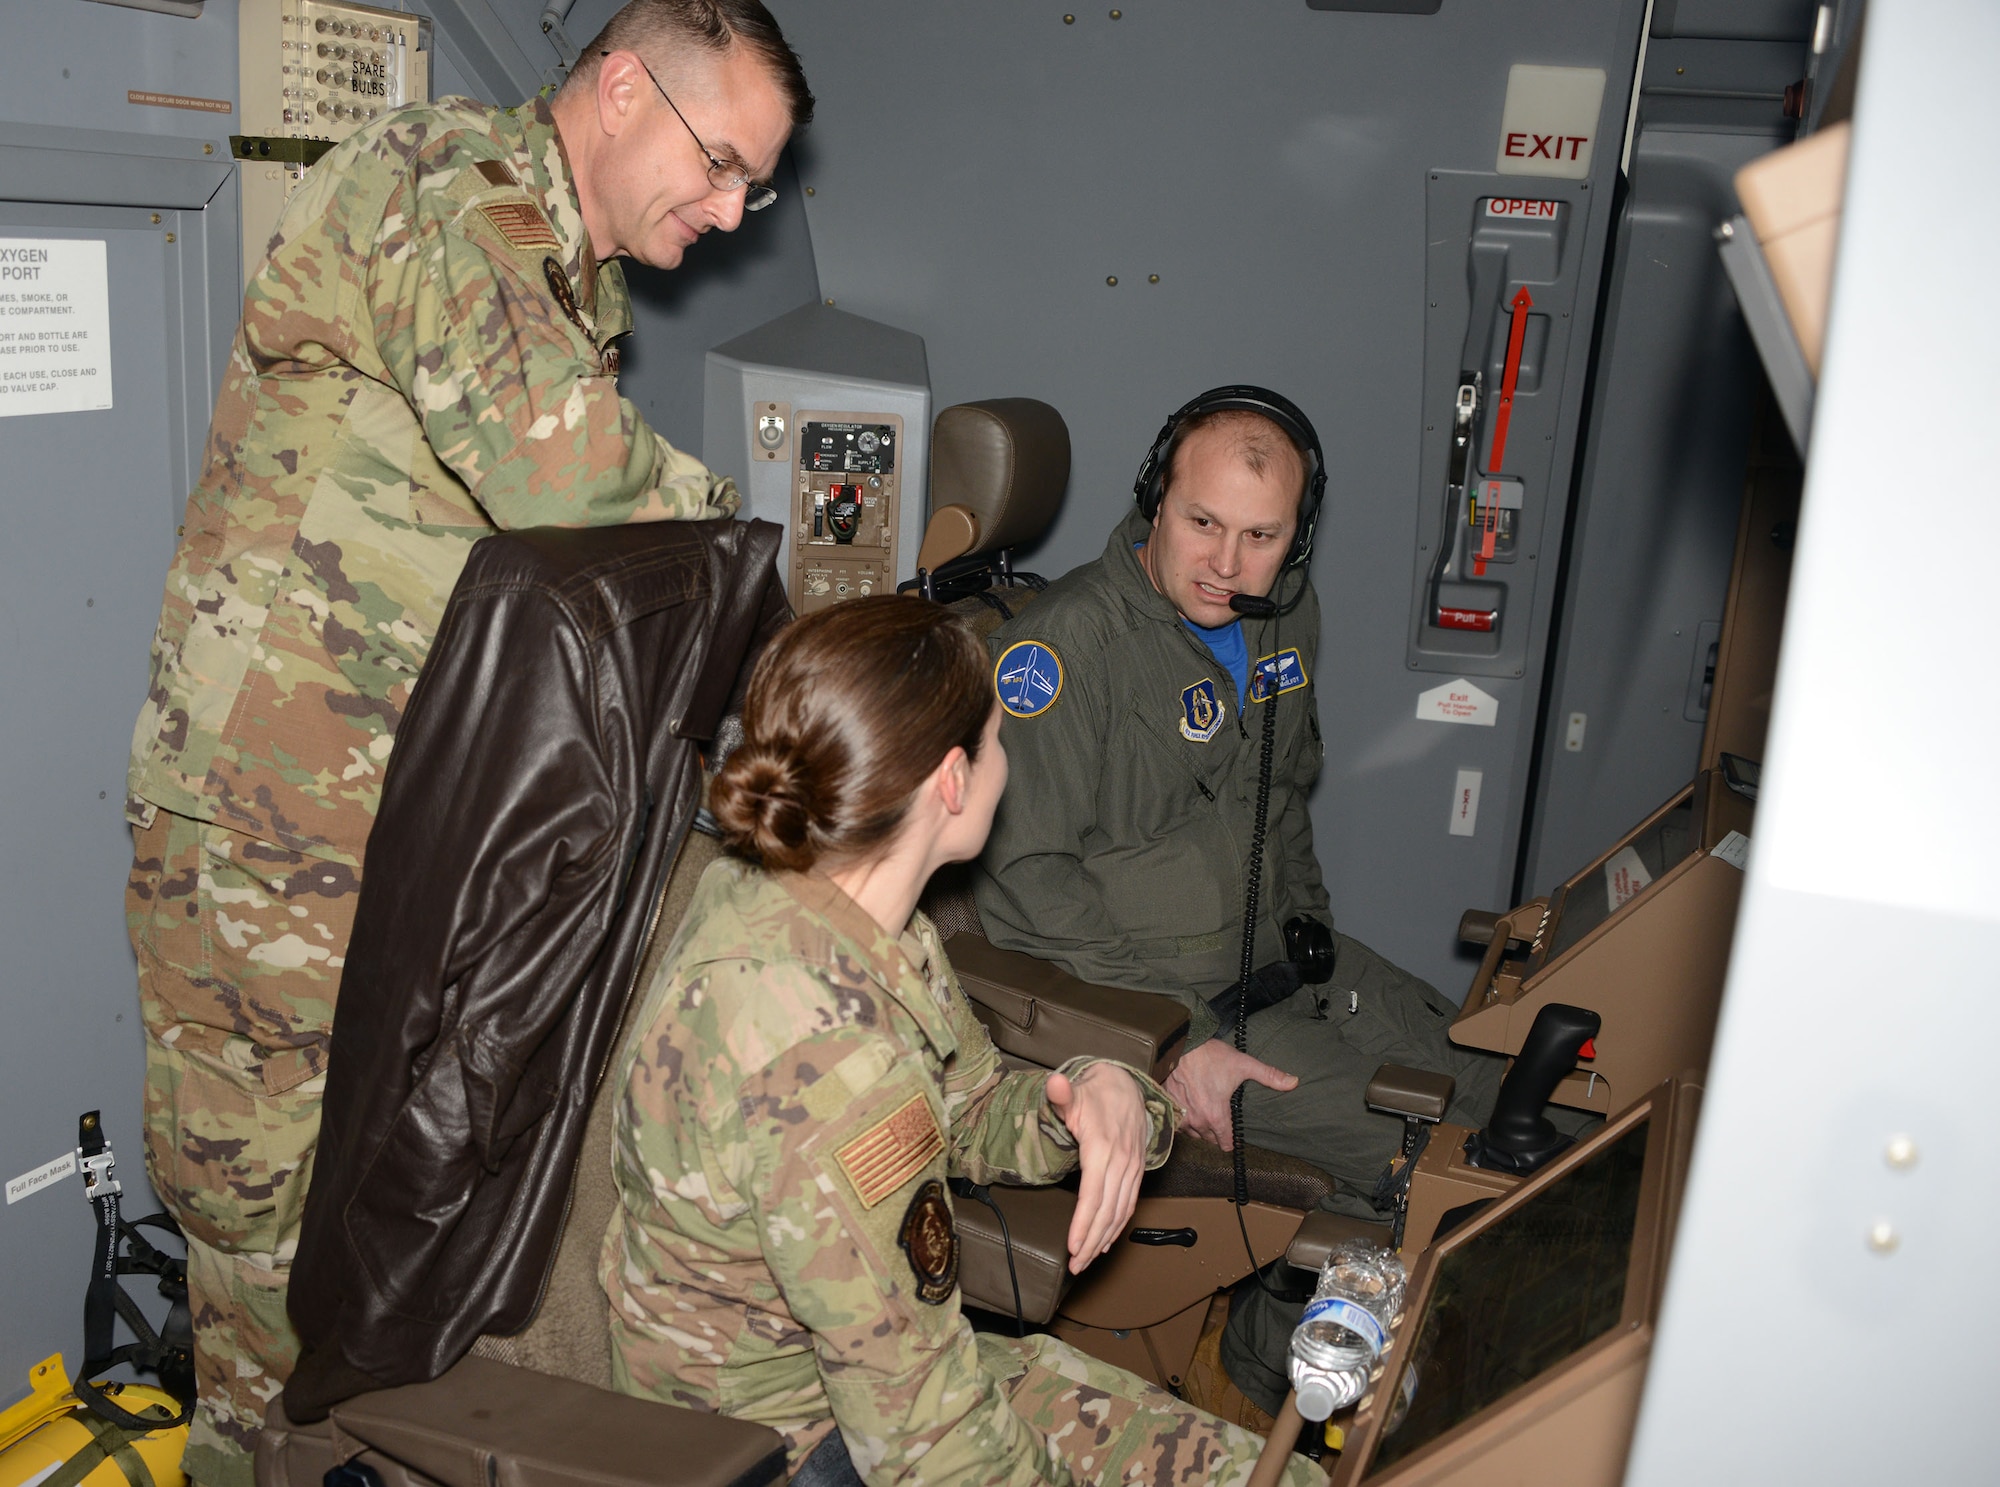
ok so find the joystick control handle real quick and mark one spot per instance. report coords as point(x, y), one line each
point(1519, 1138)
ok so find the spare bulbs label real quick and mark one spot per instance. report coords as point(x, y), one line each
point(55, 326)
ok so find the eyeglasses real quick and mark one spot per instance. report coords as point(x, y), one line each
point(723, 175)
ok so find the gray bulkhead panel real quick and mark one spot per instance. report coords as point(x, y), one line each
point(1667, 442)
point(982, 172)
point(93, 499)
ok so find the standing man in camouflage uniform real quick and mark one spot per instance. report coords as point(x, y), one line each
point(427, 355)
point(805, 1074)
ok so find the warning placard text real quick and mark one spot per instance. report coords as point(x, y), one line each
point(55, 326)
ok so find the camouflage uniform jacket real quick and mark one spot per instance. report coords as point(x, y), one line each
point(1120, 847)
point(797, 1086)
point(424, 358)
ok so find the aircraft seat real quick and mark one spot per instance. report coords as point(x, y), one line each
point(998, 472)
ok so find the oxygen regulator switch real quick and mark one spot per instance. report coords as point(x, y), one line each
point(843, 512)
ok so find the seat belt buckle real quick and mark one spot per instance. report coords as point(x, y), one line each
point(97, 1179)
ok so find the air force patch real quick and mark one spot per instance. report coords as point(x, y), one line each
point(1285, 670)
point(1201, 712)
point(1028, 678)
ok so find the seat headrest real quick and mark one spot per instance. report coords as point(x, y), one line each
point(1007, 461)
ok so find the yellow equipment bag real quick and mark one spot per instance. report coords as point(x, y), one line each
point(50, 1440)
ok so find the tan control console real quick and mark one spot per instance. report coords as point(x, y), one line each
point(1641, 936)
point(845, 498)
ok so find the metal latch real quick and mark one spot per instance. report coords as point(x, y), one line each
point(278, 148)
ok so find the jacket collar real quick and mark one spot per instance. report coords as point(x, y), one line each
point(899, 964)
point(539, 149)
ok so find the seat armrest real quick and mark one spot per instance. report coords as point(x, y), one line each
point(1321, 1232)
point(1476, 926)
point(486, 1424)
point(1038, 1224)
point(1040, 1013)
point(1414, 1094)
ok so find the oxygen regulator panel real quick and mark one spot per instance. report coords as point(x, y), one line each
point(1501, 289)
point(823, 420)
point(312, 72)
point(845, 529)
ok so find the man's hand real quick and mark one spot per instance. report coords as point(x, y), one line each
point(1207, 1076)
point(1104, 1110)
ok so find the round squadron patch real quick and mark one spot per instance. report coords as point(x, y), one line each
point(930, 1239)
point(1028, 678)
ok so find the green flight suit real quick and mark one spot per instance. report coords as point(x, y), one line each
point(1120, 851)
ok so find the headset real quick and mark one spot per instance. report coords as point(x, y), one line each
point(1151, 483)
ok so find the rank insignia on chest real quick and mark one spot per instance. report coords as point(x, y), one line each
point(1277, 675)
point(1028, 678)
point(930, 1239)
point(1201, 711)
point(892, 1151)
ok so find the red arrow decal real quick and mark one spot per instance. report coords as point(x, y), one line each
point(1515, 335)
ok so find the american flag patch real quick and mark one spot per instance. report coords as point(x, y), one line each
point(892, 1151)
point(521, 224)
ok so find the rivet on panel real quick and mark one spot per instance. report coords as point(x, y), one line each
point(1117, 15)
point(1152, 278)
point(170, 237)
point(1112, 280)
point(1069, 20)
point(829, 301)
point(1902, 1153)
point(208, 149)
point(1882, 1237)
point(156, 219)
point(810, 191)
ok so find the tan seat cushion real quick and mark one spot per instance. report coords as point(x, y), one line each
point(571, 1334)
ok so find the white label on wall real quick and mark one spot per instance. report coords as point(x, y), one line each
point(1550, 122)
point(1733, 849)
point(1465, 802)
point(33, 1182)
point(55, 326)
point(1573, 736)
point(1624, 876)
point(1458, 702)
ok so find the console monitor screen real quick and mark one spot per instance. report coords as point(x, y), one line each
point(1593, 896)
point(1517, 1298)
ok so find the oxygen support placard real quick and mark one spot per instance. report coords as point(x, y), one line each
point(55, 326)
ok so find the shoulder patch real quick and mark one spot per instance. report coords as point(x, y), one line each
point(1028, 678)
point(496, 173)
point(521, 223)
point(1277, 674)
point(1201, 711)
point(930, 1239)
point(892, 1151)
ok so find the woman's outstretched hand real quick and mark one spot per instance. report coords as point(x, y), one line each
point(1104, 1110)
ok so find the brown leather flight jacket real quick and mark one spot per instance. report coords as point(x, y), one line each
point(543, 779)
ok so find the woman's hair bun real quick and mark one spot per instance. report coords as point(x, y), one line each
point(761, 801)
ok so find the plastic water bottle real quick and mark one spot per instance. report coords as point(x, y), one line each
point(1346, 1326)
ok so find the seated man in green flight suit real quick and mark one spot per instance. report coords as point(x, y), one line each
point(1134, 720)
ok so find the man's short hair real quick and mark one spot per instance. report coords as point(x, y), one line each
point(657, 29)
point(1253, 438)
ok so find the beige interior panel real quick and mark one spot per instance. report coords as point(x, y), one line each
point(317, 70)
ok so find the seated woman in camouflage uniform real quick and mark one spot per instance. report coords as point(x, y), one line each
point(804, 1075)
